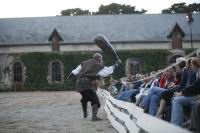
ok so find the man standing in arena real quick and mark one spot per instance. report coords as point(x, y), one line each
point(88, 74)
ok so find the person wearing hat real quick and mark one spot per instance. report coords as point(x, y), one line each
point(88, 74)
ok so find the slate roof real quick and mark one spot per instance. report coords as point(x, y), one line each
point(82, 29)
point(173, 30)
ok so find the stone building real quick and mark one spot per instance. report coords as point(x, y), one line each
point(76, 33)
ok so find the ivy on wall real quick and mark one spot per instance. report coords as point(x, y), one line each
point(37, 66)
point(151, 60)
point(37, 69)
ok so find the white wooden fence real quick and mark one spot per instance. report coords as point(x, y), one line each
point(128, 118)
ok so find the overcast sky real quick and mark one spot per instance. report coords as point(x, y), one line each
point(37, 8)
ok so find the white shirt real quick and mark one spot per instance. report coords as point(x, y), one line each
point(106, 71)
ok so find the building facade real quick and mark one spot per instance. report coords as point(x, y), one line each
point(75, 34)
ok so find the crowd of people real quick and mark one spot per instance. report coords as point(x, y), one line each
point(172, 95)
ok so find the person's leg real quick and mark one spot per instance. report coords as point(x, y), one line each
point(177, 108)
point(84, 101)
point(161, 108)
point(95, 104)
point(133, 94)
point(127, 95)
point(139, 98)
point(195, 117)
point(164, 106)
point(153, 106)
point(146, 100)
point(153, 91)
point(121, 95)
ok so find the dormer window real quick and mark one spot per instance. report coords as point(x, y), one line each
point(55, 38)
point(176, 34)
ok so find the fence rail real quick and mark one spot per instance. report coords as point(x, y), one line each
point(128, 118)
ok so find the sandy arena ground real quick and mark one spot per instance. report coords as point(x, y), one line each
point(48, 112)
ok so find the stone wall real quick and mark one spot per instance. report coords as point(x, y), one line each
point(91, 47)
point(5, 63)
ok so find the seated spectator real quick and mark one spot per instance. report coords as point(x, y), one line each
point(148, 84)
point(138, 81)
point(136, 87)
point(184, 97)
point(150, 102)
point(194, 90)
point(180, 82)
point(115, 88)
point(126, 95)
point(126, 84)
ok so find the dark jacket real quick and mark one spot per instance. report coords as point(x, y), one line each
point(186, 72)
point(193, 89)
point(137, 84)
point(88, 75)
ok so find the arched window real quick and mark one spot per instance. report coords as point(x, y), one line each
point(133, 66)
point(17, 71)
point(56, 71)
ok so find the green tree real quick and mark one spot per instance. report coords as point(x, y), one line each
point(182, 8)
point(115, 8)
point(75, 12)
point(195, 7)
